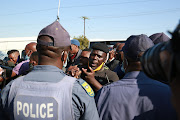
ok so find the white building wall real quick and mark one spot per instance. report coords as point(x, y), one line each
point(18, 43)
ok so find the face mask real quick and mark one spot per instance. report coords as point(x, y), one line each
point(122, 67)
point(26, 57)
point(11, 64)
point(65, 62)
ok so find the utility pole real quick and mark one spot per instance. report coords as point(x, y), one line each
point(84, 17)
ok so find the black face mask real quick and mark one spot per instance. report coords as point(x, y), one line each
point(30, 66)
point(10, 64)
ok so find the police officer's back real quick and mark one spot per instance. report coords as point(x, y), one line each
point(46, 92)
point(135, 96)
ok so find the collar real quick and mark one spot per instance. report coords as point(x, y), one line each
point(139, 77)
point(112, 59)
point(135, 75)
point(45, 73)
point(47, 68)
point(78, 54)
point(72, 57)
point(99, 67)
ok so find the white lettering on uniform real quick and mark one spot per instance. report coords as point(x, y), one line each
point(31, 110)
point(37, 110)
point(42, 106)
point(19, 107)
point(27, 110)
point(26, 106)
point(49, 110)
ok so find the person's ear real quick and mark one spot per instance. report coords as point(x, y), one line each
point(34, 63)
point(37, 47)
point(77, 47)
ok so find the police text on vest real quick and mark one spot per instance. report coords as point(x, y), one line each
point(41, 110)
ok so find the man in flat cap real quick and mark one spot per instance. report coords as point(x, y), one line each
point(47, 92)
point(135, 96)
point(96, 71)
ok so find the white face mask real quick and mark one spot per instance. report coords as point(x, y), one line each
point(65, 62)
point(27, 57)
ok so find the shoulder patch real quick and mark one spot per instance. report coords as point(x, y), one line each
point(88, 89)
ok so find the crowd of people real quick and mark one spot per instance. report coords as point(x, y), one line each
point(54, 79)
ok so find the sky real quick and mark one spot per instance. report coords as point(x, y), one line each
point(108, 19)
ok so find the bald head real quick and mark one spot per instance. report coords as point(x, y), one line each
point(30, 48)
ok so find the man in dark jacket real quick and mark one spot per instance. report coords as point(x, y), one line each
point(74, 53)
point(112, 62)
point(97, 73)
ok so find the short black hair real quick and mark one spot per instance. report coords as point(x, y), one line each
point(12, 51)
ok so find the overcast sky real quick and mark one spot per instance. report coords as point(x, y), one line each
point(108, 19)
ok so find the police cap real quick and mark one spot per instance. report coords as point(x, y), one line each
point(58, 33)
point(136, 44)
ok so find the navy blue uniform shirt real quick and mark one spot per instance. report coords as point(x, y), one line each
point(135, 97)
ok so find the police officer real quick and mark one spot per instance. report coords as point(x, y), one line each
point(135, 96)
point(46, 92)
